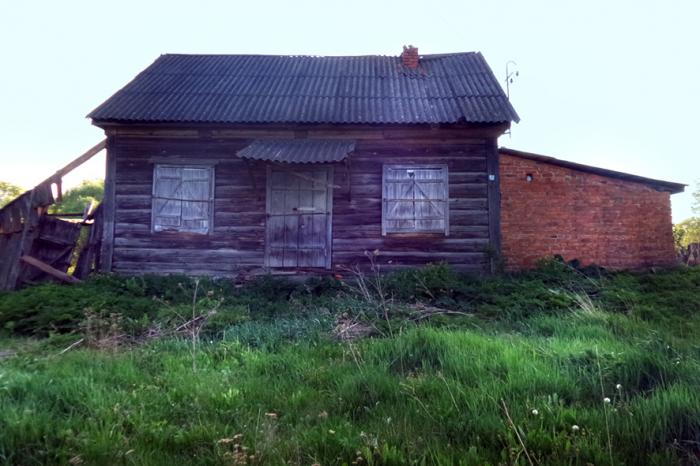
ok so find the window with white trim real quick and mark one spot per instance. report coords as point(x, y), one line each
point(415, 199)
point(183, 198)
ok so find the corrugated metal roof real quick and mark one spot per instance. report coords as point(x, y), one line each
point(305, 89)
point(660, 185)
point(298, 150)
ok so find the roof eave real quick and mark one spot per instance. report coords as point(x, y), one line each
point(493, 126)
point(660, 185)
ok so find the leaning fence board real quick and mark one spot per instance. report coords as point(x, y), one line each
point(44, 267)
point(89, 256)
point(90, 153)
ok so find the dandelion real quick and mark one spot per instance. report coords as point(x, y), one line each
point(535, 412)
point(618, 387)
point(575, 428)
point(606, 400)
point(331, 431)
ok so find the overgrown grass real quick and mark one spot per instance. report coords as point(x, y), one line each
point(271, 385)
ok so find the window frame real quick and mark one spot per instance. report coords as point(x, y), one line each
point(211, 202)
point(446, 197)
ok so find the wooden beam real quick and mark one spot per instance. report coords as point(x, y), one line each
point(59, 189)
point(292, 170)
point(44, 186)
point(76, 162)
point(312, 130)
point(251, 174)
point(46, 268)
point(108, 210)
point(26, 239)
point(494, 200)
point(348, 170)
point(90, 253)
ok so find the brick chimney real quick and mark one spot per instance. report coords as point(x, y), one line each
point(409, 57)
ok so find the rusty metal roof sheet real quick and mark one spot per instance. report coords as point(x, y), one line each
point(444, 88)
point(298, 150)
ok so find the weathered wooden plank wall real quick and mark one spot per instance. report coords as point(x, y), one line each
point(236, 241)
point(357, 222)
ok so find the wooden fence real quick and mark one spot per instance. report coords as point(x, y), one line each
point(35, 246)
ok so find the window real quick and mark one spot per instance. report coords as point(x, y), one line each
point(415, 199)
point(182, 198)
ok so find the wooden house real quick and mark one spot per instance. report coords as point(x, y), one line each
point(243, 164)
point(229, 164)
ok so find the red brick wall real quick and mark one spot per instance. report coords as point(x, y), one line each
point(605, 221)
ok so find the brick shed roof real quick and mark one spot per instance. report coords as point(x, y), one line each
point(447, 88)
point(660, 185)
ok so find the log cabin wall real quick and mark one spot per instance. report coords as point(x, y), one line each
point(357, 215)
point(236, 241)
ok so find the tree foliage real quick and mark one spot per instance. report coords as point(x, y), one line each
point(8, 192)
point(688, 231)
point(75, 200)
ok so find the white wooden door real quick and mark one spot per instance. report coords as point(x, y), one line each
point(299, 217)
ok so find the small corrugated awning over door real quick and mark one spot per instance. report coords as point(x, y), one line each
point(298, 150)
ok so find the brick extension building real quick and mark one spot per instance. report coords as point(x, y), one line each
point(598, 216)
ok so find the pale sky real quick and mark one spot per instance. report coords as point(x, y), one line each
point(606, 83)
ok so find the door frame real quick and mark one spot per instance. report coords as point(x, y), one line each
point(329, 215)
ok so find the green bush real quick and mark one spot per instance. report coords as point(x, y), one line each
point(49, 308)
point(52, 308)
point(433, 281)
point(554, 288)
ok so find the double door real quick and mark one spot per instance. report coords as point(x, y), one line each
point(299, 217)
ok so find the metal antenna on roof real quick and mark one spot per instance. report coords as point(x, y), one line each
point(510, 75)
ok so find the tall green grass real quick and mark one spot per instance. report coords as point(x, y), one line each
point(273, 387)
point(427, 396)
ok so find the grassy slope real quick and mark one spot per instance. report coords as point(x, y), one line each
point(430, 394)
